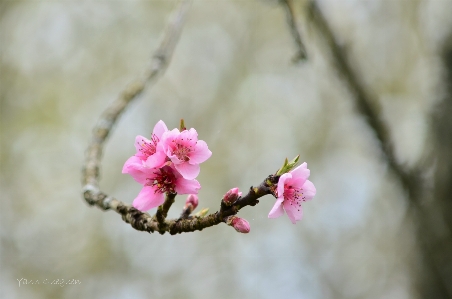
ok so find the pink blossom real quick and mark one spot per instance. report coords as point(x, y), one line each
point(293, 189)
point(185, 151)
point(231, 196)
point(156, 182)
point(150, 152)
point(239, 224)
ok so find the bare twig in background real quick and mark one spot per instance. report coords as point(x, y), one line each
point(290, 17)
point(365, 101)
point(437, 213)
point(433, 231)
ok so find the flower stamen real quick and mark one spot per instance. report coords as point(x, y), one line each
point(164, 180)
point(181, 151)
point(149, 148)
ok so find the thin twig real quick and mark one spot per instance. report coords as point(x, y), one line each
point(159, 63)
point(162, 210)
point(291, 21)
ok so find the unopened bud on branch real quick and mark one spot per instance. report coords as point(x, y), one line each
point(192, 200)
point(231, 196)
point(239, 224)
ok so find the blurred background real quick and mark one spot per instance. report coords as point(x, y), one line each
point(231, 78)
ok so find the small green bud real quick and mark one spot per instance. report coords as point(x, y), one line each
point(288, 166)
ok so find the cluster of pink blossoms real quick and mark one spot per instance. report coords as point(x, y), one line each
point(166, 163)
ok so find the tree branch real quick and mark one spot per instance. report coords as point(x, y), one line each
point(144, 222)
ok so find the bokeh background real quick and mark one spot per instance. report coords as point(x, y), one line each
point(231, 78)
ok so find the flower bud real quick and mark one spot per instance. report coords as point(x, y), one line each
point(231, 196)
point(192, 200)
point(239, 224)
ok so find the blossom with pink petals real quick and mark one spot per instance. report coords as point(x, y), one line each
point(149, 152)
point(185, 151)
point(293, 189)
point(156, 182)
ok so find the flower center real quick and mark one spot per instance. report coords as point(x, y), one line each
point(149, 148)
point(181, 151)
point(163, 181)
point(293, 195)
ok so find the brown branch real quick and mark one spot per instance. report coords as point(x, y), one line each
point(291, 21)
point(144, 222)
point(365, 101)
point(160, 60)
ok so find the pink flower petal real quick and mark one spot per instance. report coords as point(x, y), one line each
point(191, 134)
point(308, 190)
point(188, 137)
point(159, 129)
point(297, 182)
point(294, 212)
point(281, 182)
point(184, 186)
point(132, 162)
point(173, 158)
point(139, 176)
point(168, 143)
point(168, 137)
point(277, 209)
point(148, 199)
point(201, 153)
point(188, 171)
point(156, 160)
point(134, 167)
point(301, 171)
